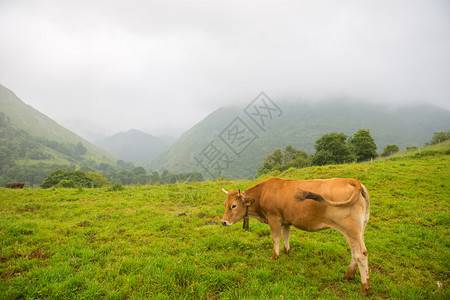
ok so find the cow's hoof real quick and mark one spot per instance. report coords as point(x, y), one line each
point(274, 255)
point(365, 288)
point(349, 276)
point(286, 250)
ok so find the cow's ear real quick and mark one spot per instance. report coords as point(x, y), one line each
point(248, 201)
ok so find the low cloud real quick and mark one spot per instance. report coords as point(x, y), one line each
point(161, 66)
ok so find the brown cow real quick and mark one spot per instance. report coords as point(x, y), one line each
point(16, 185)
point(311, 205)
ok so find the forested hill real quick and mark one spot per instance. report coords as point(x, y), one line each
point(296, 124)
point(32, 145)
point(25, 117)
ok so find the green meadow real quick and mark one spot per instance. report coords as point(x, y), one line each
point(157, 242)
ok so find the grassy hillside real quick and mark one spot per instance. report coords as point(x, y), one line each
point(25, 117)
point(180, 154)
point(154, 241)
point(300, 125)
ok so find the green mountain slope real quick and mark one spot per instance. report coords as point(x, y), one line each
point(300, 125)
point(25, 117)
point(32, 145)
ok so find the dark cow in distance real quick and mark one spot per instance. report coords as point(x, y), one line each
point(16, 185)
point(310, 205)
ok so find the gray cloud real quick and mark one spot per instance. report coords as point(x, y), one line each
point(161, 66)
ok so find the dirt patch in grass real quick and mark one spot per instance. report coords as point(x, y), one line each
point(9, 274)
point(378, 268)
point(40, 254)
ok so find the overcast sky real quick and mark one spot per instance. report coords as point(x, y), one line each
point(162, 66)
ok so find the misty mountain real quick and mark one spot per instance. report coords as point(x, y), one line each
point(134, 145)
point(32, 145)
point(25, 117)
point(208, 146)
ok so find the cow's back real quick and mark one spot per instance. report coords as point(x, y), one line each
point(334, 189)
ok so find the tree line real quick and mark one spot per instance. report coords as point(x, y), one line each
point(18, 147)
point(48, 175)
point(137, 175)
point(334, 148)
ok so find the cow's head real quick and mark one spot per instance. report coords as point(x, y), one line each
point(235, 206)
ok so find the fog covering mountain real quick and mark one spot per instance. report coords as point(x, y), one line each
point(134, 145)
point(206, 146)
point(300, 125)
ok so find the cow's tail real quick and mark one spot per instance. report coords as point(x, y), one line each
point(366, 197)
point(303, 195)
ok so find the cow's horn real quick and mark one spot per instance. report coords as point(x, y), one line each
point(224, 190)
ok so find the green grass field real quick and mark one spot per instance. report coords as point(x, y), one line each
point(153, 241)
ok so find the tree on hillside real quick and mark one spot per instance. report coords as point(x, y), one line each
point(364, 145)
point(273, 161)
point(89, 165)
point(140, 175)
point(105, 167)
point(193, 176)
point(283, 160)
point(389, 150)
point(440, 137)
point(124, 166)
point(154, 178)
point(138, 170)
point(80, 149)
point(333, 148)
point(98, 179)
point(294, 158)
point(4, 120)
point(168, 177)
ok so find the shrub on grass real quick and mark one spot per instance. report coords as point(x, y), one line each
point(116, 187)
point(70, 178)
point(98, 179)
point(389, 150)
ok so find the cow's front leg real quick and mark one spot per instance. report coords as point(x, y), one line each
point(275, 227)
point(286, 231)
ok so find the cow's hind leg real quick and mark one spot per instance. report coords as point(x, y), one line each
point(353, 263)
point(286, 232)
point(360, 259)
